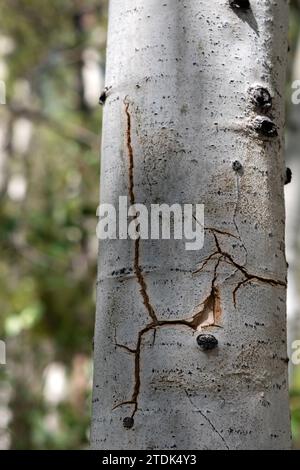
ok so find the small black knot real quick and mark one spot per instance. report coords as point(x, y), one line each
point(240, 4)
point(207, 342)
point(261, 97)
point(265, 126)
point(288, 176)
point(103, 97)
point(238, 167)
point(128, 422)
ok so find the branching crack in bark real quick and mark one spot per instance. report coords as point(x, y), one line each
point(221, 232)
point(206, 261)
point(209, 311)
point(224, 232)
point(122, 346)
point(208, 421)
point(215, 231)
point(248, 277)
point(210, 306)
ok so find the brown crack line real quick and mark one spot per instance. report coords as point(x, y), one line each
point(142, 282)
point(216, 230)
point(248, 276)
point(211, 304)
point(137, 370)
point(122, 346)
point(130, 153)
point(206, 261)
point(224, 232)
point(137, 269)
point(221, 232)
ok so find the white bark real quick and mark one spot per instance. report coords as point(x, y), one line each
point(178, 114)
point(292, 200)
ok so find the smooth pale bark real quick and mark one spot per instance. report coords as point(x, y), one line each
point(178, 114)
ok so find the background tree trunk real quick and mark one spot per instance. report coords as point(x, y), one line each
point(292, 198)
point(185, 103)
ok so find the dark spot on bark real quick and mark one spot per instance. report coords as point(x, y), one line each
point(238, 167)
point(128, 422)
point(261, 97)
point(207, 342)
point(240, 4)
point(288, 176)
point(265, 126)
point(103, 97)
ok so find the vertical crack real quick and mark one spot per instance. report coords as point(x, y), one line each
point(137, 268)
point(142, 283)
point(130, 153)
point(137, 370)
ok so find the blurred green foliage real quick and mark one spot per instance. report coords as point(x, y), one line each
point(48, 241)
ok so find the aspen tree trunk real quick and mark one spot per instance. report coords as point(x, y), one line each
point(194, 114)
point(292, 199)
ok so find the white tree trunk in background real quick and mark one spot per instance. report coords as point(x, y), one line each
point(292, 199)
point(194, 114)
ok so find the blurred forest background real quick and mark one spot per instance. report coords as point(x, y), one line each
point(52, 59)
